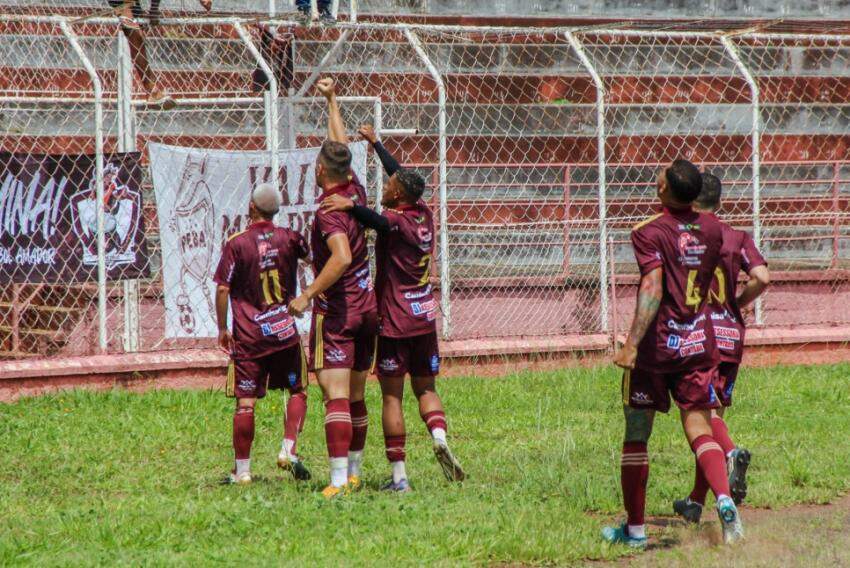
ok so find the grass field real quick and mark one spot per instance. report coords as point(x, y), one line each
point(116, 477)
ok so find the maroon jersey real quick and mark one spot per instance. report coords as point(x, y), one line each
point(686, 245)
point(353, 293)
point(739, 252)
point(260, 266)
point(403, 258)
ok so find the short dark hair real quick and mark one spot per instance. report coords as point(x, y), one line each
point(412, 183)
point(709, 195)
point(336, 158)
point(684, 180)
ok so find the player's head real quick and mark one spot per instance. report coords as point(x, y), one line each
point(404, 186)
point(333, 165)
point(679, 184)
point(708, 199)
point(265, 202)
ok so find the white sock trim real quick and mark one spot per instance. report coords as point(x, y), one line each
point(439, 435)
point(243, 466)
point(399, 471)
point(636, 531)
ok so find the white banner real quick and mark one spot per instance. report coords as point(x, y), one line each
point(202, 198)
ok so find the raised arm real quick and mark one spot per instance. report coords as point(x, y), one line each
point(649, 300)
point(390, 164)
point(336, 127)
point(365, 216)
point(333, 270)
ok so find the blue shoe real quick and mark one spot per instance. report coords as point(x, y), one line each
point(620, 535)
point(689, 510)
point(402, 486)
point(733, 530)
point(737, 464)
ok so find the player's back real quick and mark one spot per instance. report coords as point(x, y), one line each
point(686, 246)
point(353, 293)
point(260, 265)
point(738, 252)
point(403, 258)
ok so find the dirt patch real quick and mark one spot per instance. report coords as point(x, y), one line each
point(802, 535)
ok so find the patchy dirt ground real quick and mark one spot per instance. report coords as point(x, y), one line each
point(799, 536)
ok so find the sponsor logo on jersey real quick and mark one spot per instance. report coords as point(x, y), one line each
point(419, 308)
point(673, 341)
point(685, 326)
point(293, 378)
point(692, 349)
point(335, 355)
point(697, 336)
point(725, 344)
point(389, 364)
point(724, 315)
point(727, 333)
point(271, 313)
point(435, 364)
point(282, 329)
point(417, 295)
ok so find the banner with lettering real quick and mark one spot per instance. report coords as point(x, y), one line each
point(48, 218)
point(202, 198)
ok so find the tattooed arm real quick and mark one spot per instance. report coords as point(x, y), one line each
point(649, 299)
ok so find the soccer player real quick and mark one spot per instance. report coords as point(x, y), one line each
point(739, 252)
point(670, 349)
point(128, 13)
point(407, 338)
point(345, 321)
point(257, 275)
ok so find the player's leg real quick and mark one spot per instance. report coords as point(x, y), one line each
point(246, 382)
point(432, 413)
point(288, 371)
point(331, 353)
point(694, 393)
point(395, 435)
point(364, 330)
point(643, 395)
point(737, 459)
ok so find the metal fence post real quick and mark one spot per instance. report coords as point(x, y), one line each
point(445, 264)
point(379, 169)
point(97, 88)
point(127, 143)
point(270, 103)
point(601, 165)
point(756, 152)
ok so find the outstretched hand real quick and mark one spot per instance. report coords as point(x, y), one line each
point(326, 87)
point(368, 132)
point(336, 202)
point(299, 305)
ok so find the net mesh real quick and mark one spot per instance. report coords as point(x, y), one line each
point(522, 250)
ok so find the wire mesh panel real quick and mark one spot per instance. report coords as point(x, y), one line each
point(804, 83)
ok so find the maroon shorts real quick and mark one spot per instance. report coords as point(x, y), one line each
point(418, 355)
point(251, 378)
point(727, 374)
point(692, 390)
point(343, 342)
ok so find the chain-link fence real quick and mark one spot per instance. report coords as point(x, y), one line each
point(541, 147)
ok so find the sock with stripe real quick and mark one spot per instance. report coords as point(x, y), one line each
point(243, 437)
point(712, 462)
point(396, 455)
point(634, 475)
point(435, 421)
point(296, 410)
point(359, 427)
point(720, 433)
point(338, 435)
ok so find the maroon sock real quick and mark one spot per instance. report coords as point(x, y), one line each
point(435, 419)
point(395, 447)
point(243, 432)
point(296, 410)
point(359, 425)
point(720, 433)
point(700, 486)
point(338, 427)
point(712, 461)
point(634, 474)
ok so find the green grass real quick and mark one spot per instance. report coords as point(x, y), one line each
point(116, 477)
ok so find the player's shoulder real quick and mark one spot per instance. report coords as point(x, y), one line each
point(648, 222)
point(236, 237)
